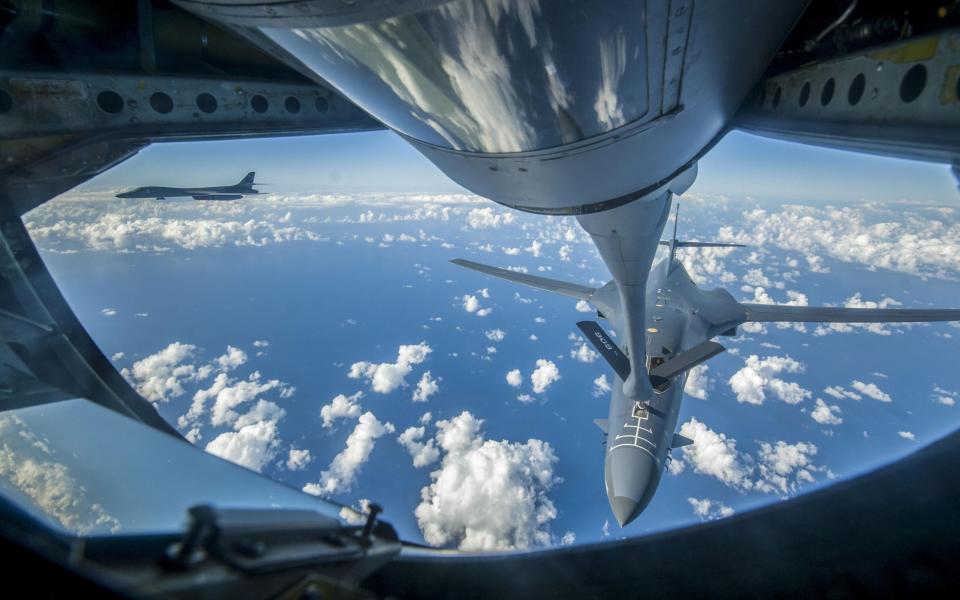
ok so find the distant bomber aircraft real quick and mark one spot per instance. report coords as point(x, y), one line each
point(225, 192)
point(679, 322)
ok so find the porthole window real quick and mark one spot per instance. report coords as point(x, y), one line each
point(292, 105)
point(110, 102)
point(259, 104)
point(857, 86)
point(162, 103)
point(826, 95)
point(206, 103)
point(913, 82)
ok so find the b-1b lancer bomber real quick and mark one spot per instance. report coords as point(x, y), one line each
point(678, 322)
point(223, 192)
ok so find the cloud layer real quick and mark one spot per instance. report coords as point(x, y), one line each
point(487, 495)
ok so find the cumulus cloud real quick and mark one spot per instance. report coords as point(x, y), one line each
point(698, 383)
point(423, 454)
point(255, 439)
point(153, 226)
point(891, 238)
point(715, 455)
point(583, 306)
point(706, 265)
point(815, 264)
point(487, 495)
point(840, 393)
point(755, 277)
point(826, 414)
point(426, 387)
point(945, 397)
point(298, 459)
point(386, 377)
point(794, 298)
point(341, 407)
point(161, 376)
point(544, 375)
point(356, 515)
point(759, 377)
point(233, 358)
point(342, 473)
point(778, 468)
point(782, 466)
point(30, 464)
point(470, 303)
point(907, 435)
point(487, 218)
point(108, 312)
point(583, 353)
point(495, 335)
point(514, 378)
point(871, 390)
point(675, 467)
point(252, 439)
point(601, 386)
point(709, 510)
point(228, 394)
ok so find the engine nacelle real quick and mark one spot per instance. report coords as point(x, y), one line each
point(559, 107)
point(218, 197)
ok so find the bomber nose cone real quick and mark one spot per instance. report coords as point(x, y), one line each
point(624, 509)
point(631, 476)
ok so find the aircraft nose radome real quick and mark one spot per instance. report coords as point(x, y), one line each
point(631, 476)
point(624, 509)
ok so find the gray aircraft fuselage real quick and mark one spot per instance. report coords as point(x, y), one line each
point(640, 430)
point(223, 192)
point(162, 193)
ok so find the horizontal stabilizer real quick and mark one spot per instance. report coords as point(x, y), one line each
point(606, 347)
point(772, 313)
point(573, 290)
point(683, 244)
point(601, 423)
point(679, 441)
point(686, 360)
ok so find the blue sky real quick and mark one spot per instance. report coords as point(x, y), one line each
point(344, 271)
point(741, 165)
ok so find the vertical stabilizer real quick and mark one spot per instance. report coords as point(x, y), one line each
point(248, 180)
